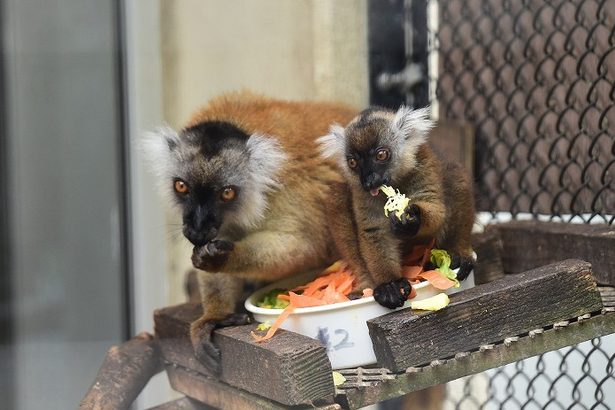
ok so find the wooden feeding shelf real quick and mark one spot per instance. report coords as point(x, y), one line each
point(530, 302)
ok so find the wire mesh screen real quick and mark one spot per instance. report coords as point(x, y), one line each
point(536, 80)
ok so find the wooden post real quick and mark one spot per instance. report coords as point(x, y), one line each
point(509, 306)
point(125, 371)
point(291, 369)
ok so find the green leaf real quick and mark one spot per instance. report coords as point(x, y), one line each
point(442, 260)
point(263, 326)
point(270, 300)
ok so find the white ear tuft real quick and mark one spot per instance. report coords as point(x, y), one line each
point(157, 146)
point(332, 144)
point(414, 124)
point(266, 158)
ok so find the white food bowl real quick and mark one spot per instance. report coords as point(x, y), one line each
point(341, 327)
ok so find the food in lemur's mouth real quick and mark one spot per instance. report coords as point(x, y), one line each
point(246, 179)
point(383, 150)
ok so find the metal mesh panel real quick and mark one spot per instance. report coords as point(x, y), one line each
point(536, 80)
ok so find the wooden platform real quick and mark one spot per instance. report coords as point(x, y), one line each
point(521, 309)
point(558, 305)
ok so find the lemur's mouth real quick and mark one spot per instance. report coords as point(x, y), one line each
point(374, 192)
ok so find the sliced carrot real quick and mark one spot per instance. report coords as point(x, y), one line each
point(411, 272)
point(437, 280)
point(416, 255)
point(276, 325)
point(284, 297)
point(412, 293)
point(367, 292)
point(304, 301)
point(346, 287)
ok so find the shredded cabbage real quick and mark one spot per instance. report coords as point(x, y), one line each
point(396, 201)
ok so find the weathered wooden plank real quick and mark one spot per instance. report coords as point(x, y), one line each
point(220, 395)
point(125, 371)
point(488, 313)
point(289, 368)
point(488, 247)
point(531, 244)
point(394, 385)
point(607, 293)
point(185, 403)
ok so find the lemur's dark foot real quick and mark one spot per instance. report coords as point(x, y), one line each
point(212, 256)
point(201, 336)
point(465, 267)
point(393, 294)
point(464, 264)
point(409, 223)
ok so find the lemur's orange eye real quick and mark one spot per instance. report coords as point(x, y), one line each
point(352, 163)
point(181, 187)
point(382, 155)
point(228, 194)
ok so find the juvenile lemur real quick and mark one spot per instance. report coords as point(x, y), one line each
point(382, 147)
point(246, 175)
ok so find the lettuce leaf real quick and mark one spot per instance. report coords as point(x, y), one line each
point(270, 300)
point(442, 260)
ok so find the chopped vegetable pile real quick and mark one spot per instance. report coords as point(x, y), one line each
point(336, 282)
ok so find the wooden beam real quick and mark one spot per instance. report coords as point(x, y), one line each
point(185, 403)
point(290, 368)
point(125, 371)
point(359, 392)
point(529, 244)
point(488, 313)
point(489, 249)
point(220, 395)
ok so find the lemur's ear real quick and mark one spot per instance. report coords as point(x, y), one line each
point(412, 124)
point(157, 146)
point(266, 157)
point(332, 144)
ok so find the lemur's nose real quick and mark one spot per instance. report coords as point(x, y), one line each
point(372, 181)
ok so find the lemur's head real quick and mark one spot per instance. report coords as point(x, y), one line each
point(378, 146)
point(217, 174)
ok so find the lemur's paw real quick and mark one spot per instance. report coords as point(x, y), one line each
point(201, 336)
point(212, 256)
point(409, 223)
point(465, 267)
point(393, 294)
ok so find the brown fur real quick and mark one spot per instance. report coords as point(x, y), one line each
point(293, 236)
point(362, 233)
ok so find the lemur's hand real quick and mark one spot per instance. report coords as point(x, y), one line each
point(212, 256)
point(409, 223)
point(201, 333)
point(393, 294)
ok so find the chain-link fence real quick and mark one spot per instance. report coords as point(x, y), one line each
point(536, 81)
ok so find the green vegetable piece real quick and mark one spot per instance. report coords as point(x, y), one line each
point(338, 379)
point(263, 326)
point(442, 260)
point(440, 301)
point(270, 300)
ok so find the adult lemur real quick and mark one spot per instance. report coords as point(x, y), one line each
point(382, 147)
point(246, 175)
